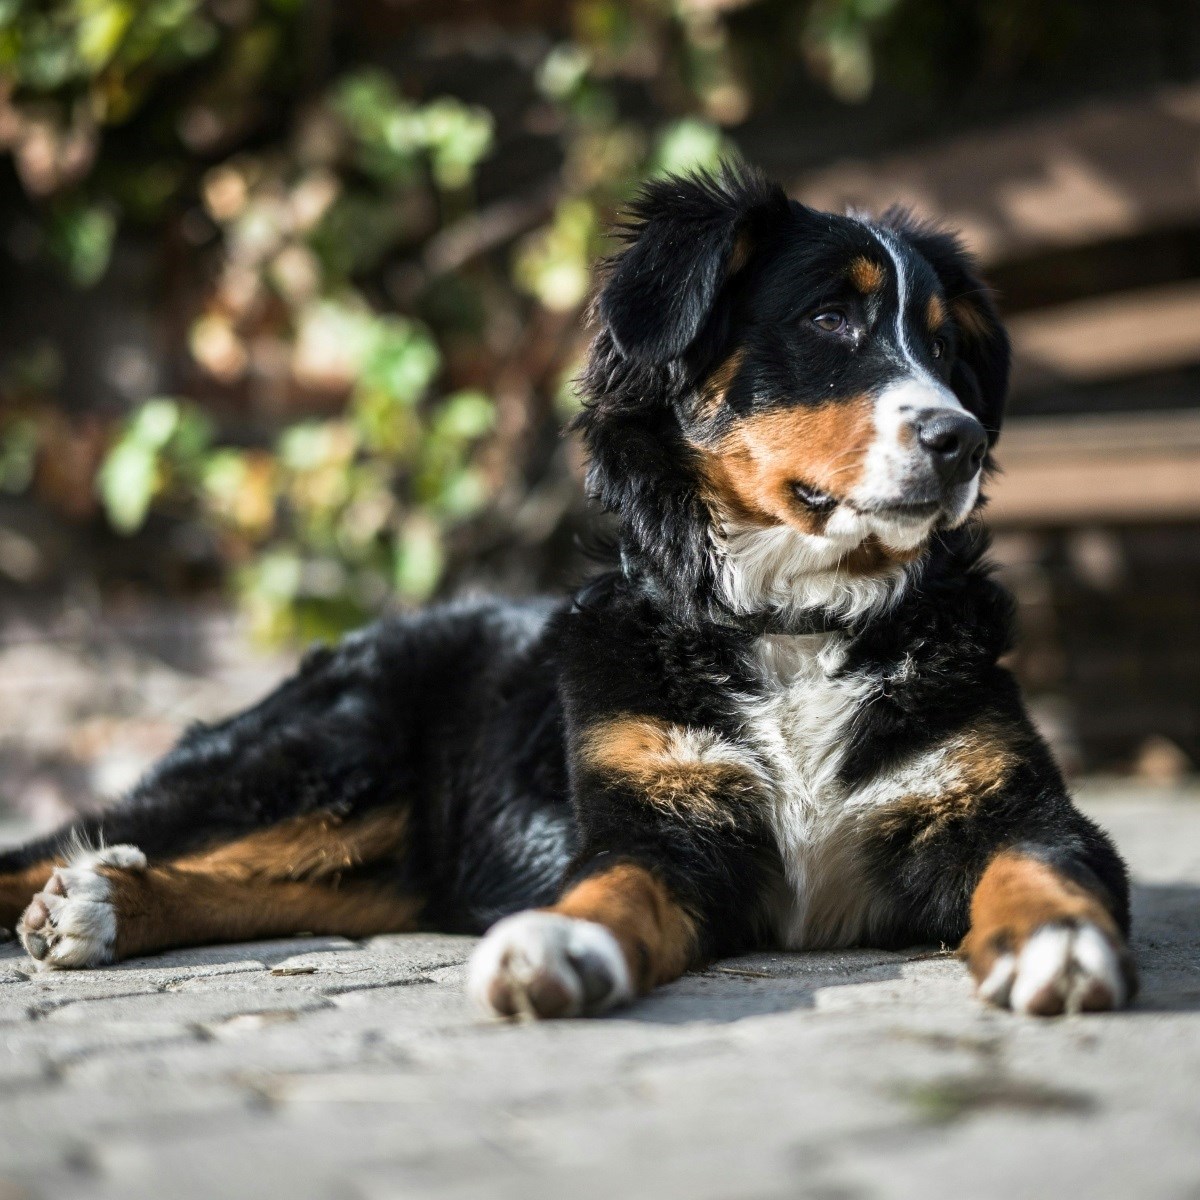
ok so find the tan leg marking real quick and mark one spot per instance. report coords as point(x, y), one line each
point(690, 773)
point(164, 907)
point(1042, 943)
point(281, 880)
point(657, 937)
point(320, 846)
point(609, 938)
point(17, 889)
point(286, 879)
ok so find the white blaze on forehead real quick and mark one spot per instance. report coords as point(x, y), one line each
point(899, 263)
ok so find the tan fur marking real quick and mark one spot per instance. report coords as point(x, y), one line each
point(1016, 895)
point(749, 473)
point(872, 557)
point(164, 907)
point(674, 768)
point(935, 313)
point(17, 889)
point(743, 247)
point(866, 275)
point(974, 769)
point(657, 937)
point(969, 317)
point(711, 394)
point(306, 848)
point(283, 880)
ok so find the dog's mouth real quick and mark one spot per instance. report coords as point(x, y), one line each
point(817, 501)
point(813, 499)
point(906, 510)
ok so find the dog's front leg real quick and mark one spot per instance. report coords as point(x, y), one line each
point(1042, 942)
point(612, 936)
point(674, 870)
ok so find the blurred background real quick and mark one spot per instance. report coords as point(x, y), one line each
point(291, 292)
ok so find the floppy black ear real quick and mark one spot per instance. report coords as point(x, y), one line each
point(686, 236)
point(980, 374)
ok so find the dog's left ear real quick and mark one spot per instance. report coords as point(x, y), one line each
point(686, 237)
point(980, 374)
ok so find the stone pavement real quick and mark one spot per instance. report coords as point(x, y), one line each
point(326, 1068)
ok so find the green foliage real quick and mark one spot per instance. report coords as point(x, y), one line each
point(81, 239)
point(334, 297)
point(18, 453)
point(160, 449)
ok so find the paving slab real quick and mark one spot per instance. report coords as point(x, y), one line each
point(356, 1070)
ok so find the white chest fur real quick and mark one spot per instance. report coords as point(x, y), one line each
point(799, 723)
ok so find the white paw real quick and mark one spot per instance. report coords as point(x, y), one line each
point(72, 922)
point(1061, 968)
point(545, 965)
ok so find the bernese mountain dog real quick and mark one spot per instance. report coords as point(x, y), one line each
point(778, 720)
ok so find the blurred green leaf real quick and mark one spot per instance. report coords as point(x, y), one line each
point(457, 137)
point(555, 265)
point(419, 559)
point(154, 424)
point(401, 361)
point(563, 70)
point(688, 145)
point(465, 416)
point(18, 454)
point(100, 31)
point(127, 483)
point(81, 238)
point(160, 442)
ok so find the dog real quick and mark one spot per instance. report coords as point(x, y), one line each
point(778, 720)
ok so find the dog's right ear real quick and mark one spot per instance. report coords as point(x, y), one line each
point(687, 236)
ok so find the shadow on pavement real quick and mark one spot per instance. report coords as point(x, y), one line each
point(1166, 946)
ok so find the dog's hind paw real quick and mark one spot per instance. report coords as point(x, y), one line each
point(1062, 967)
point(72, 922)
point(542, 964)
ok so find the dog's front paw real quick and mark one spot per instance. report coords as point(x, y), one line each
point(1065, 966)
point(542, 964)
point(72, 922)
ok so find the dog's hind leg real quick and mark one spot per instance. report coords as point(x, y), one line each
point(18, 885)
point(293, 816)
point(312, 874)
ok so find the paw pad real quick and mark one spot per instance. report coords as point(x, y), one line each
point(542, 964)
point(1062, 967)
point(71, 922)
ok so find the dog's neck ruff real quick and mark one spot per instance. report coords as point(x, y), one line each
point(780, 580)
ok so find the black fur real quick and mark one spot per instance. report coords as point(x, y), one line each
point(471, 715)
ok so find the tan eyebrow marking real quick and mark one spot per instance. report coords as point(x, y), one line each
point(866, 275)
point(739, 256)
point(969, 317)
point(935, 314)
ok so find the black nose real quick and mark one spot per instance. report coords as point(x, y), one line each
point(956, 442)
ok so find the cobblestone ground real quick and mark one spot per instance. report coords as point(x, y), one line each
point(320, 1067)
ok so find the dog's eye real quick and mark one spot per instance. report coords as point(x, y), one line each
point(937, 348)
point(832, 320)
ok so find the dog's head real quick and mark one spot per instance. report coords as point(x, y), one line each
point(831, 384)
